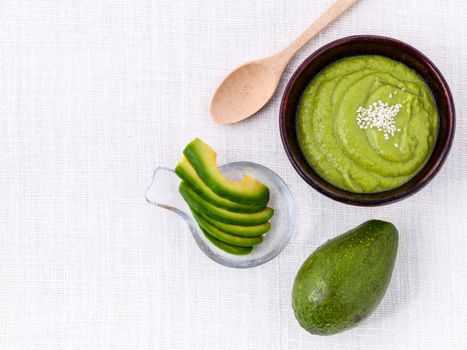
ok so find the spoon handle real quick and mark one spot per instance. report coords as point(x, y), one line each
point(331, 14)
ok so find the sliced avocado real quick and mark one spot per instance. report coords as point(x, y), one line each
point(187, 173)
point(200, 205)
point(238, 230)
point(226, 237)
point(203, 159)
point(231, 249)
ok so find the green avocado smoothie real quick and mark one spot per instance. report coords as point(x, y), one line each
point(367, 124)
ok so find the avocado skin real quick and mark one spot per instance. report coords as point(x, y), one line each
point(203, 159)
point(200, 205)
point(344, 280)
point(231, 249)
point(237, 230)
point(226, 237)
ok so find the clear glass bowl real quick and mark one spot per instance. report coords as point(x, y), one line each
point(163, 192)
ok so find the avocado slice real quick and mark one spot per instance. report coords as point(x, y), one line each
point(226, 237)
point(238, 230)
point(200, 205)
point(187, 173)
point(231, 249)
point(343, 281)
point(203, 159)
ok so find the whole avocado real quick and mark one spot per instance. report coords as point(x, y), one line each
point(344, 280)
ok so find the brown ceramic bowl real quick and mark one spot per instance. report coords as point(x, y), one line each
point(367, 45)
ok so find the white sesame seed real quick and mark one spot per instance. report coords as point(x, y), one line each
point(379, 115)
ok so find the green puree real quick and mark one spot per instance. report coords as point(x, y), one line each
point(364, 160)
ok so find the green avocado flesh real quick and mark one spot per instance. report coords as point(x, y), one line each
point(363, 160)
point(231, 249)
point(226, 237)
point(200, 205)
point(188, 174)
point(247, 191)
point(232, 215)
point(344, 280)
point(238, 230)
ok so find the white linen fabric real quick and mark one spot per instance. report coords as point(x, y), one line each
point(95, 94)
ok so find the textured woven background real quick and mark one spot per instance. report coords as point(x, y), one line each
point(94, 94)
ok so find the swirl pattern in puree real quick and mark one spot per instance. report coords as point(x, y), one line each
point(364, 160)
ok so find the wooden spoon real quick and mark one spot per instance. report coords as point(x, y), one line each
point(249, 87)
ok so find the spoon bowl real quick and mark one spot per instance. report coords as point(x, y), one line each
point(253, 84)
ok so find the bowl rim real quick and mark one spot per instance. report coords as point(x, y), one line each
point(369, 199)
